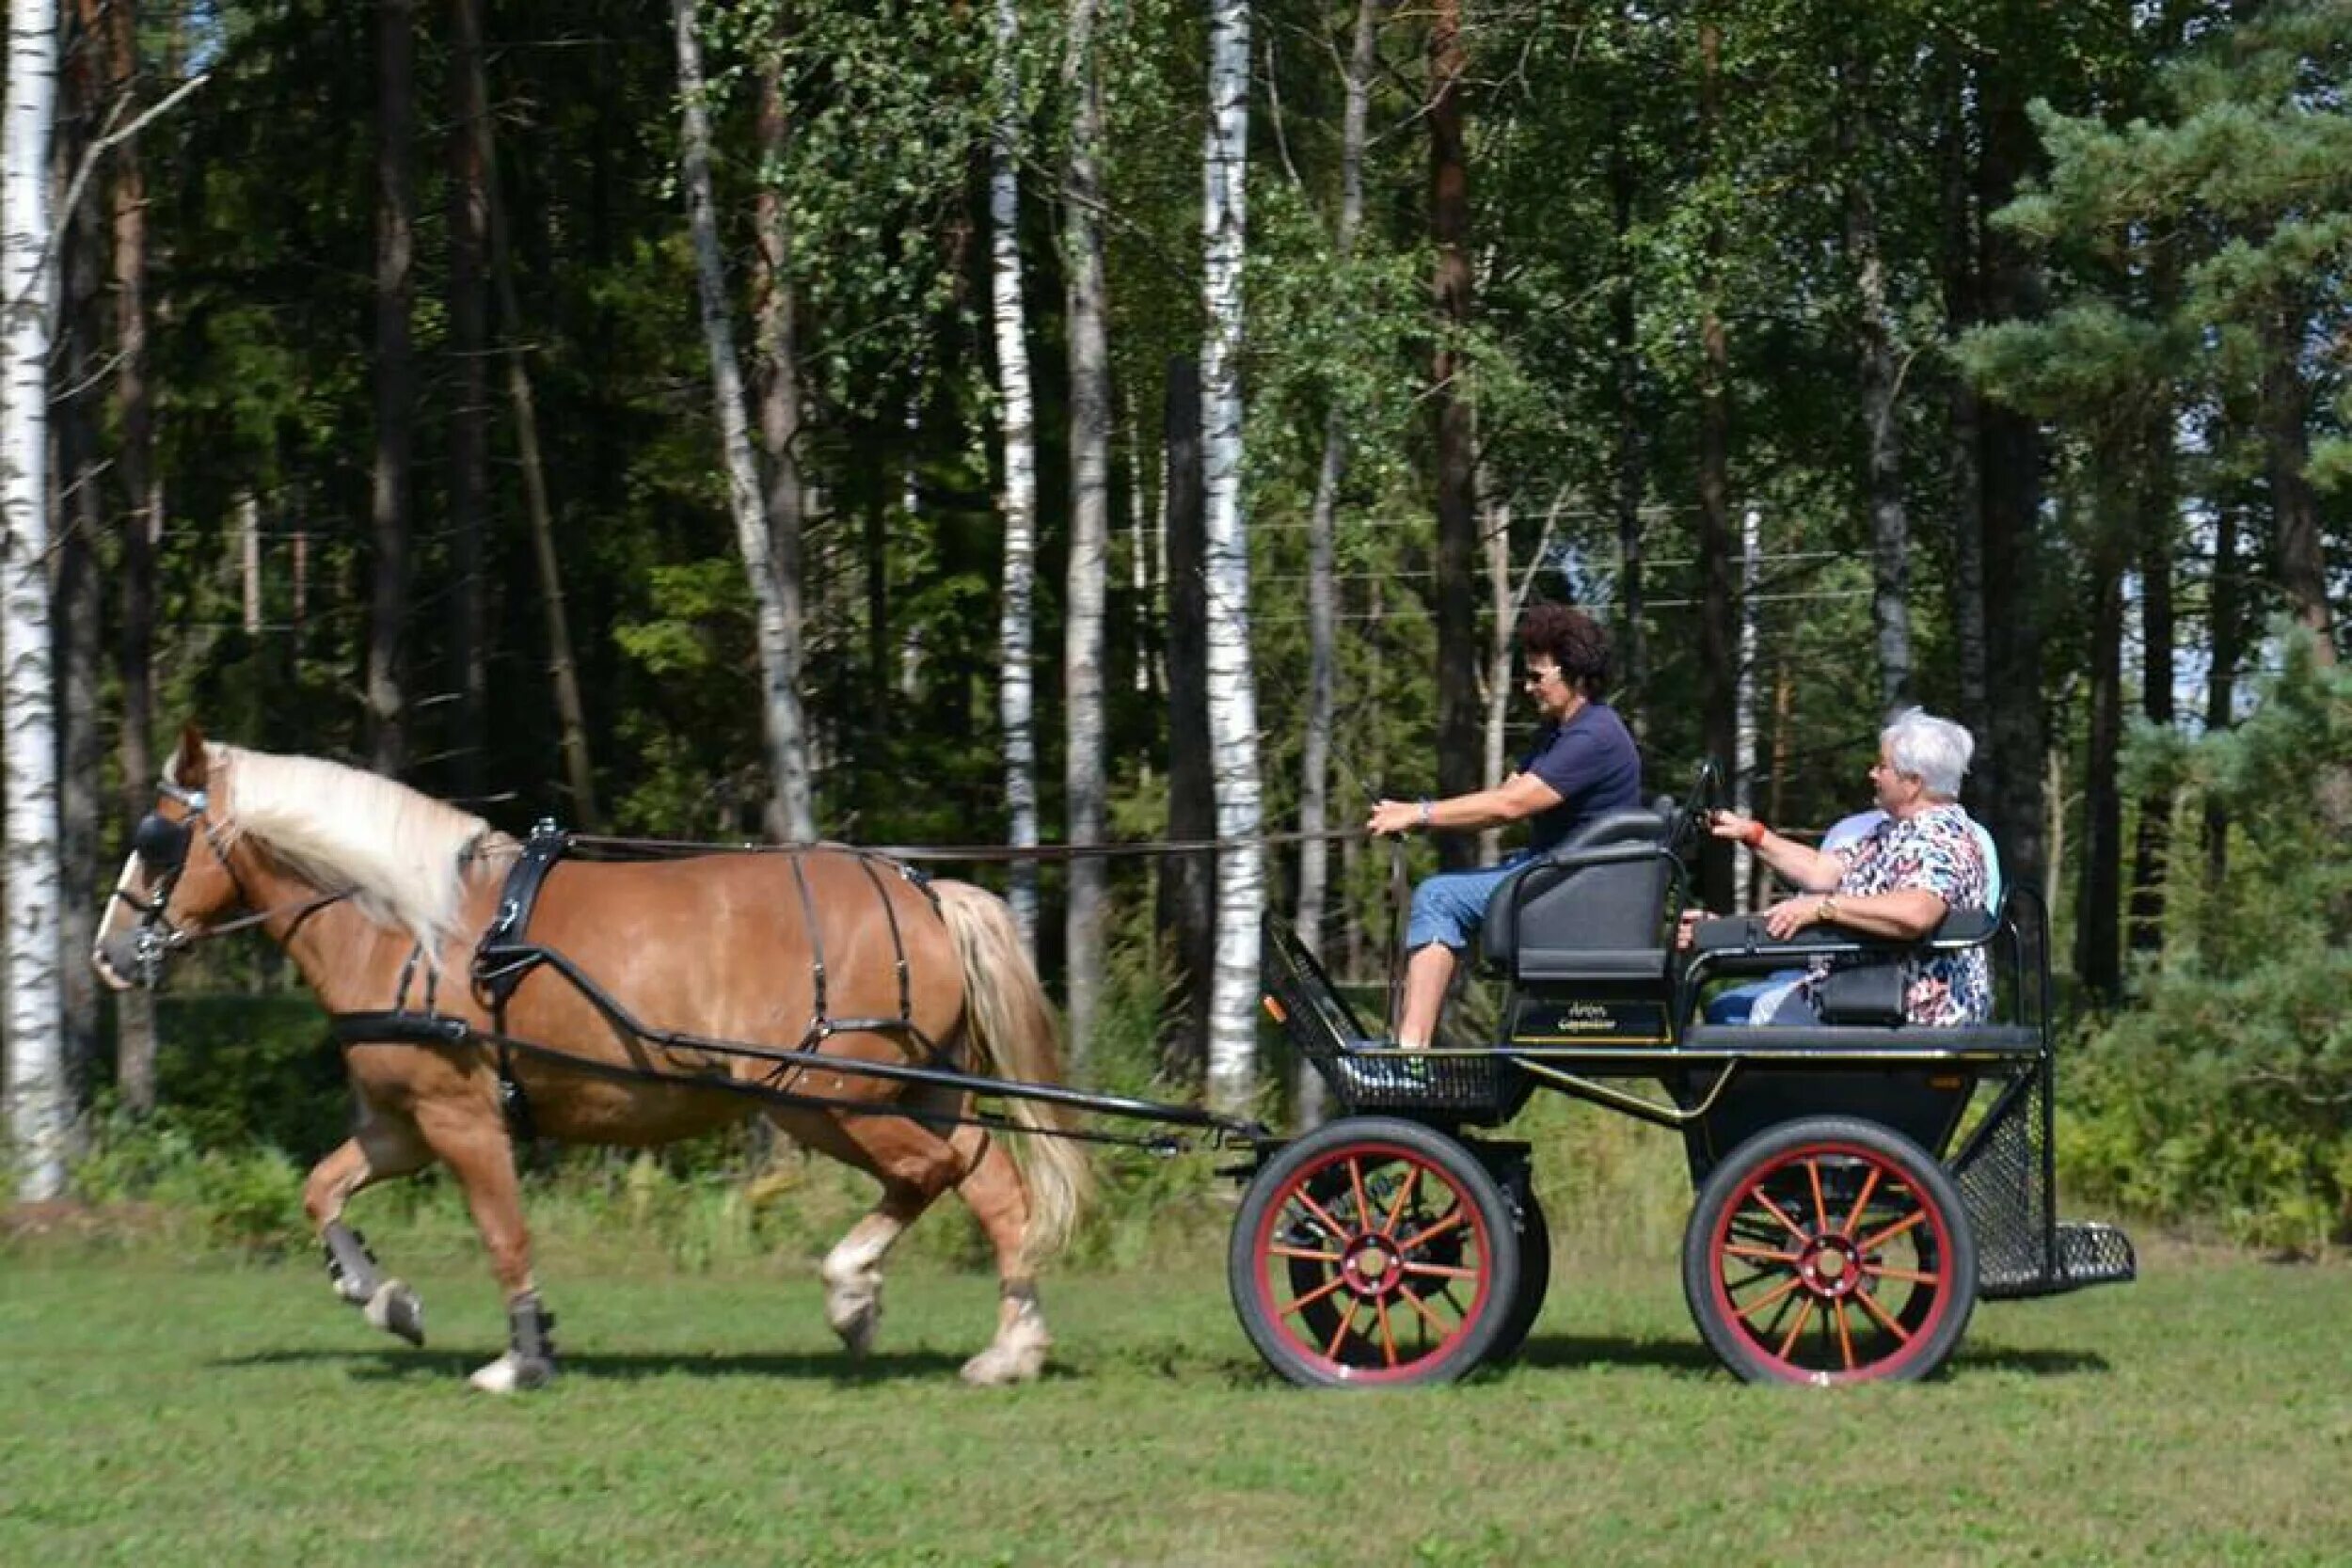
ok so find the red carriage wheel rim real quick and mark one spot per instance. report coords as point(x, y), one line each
point(1826, 1265)
point(1381, 1286)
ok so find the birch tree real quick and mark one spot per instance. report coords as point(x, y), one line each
point(1016, 695)
point(36, 1019)
point(1084, 768)
point(780, 701)
point(1232, 683)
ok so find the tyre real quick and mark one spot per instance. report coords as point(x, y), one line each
point(1830, 1250)
point(1527, 1304)
point(1373, 1251)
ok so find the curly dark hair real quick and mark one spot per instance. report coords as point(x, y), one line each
point(1575, 642)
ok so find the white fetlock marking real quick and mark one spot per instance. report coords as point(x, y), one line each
point(379, 1311)
point(507, 1375)
point(854, 1281)
point(1018, 1355)
point(499, 1377)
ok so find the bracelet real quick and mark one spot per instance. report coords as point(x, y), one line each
point(1754, 836)
point(1425, 811)
point(1826, 913)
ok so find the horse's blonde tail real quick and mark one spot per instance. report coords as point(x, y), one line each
point(1014, 1037)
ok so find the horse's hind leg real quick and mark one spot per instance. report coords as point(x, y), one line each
point(382, 1148)
point(999, 1198)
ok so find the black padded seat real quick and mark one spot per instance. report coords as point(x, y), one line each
point(1592, 909)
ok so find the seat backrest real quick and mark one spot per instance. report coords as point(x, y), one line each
point(1594, 907)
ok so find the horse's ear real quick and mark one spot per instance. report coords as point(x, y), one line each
point(191, 767)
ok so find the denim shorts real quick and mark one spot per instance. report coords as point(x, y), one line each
point(1448, 906)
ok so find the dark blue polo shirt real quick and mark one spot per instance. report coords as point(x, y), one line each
point(1591, 761)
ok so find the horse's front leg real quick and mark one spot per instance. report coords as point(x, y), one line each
point(382, 1148)
point(471, 1137)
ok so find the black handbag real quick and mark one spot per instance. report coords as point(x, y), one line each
point(1865, 993)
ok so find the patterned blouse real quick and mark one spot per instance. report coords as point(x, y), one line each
point(1936, 852)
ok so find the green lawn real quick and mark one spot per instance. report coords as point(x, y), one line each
point(220, 1414)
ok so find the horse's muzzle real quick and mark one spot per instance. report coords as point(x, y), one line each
point(120, 961)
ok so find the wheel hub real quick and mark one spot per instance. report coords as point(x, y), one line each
point(1830, 1267)
point(1371, 1266)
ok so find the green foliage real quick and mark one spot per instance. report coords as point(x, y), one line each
point(2222, 1094)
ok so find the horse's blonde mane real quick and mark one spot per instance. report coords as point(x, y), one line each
point(400, 852)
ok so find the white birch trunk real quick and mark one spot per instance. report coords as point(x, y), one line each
point(780, 700)
point(35, 1007)
point(1232, 685)
point(1016, 692)
point(1086, 580)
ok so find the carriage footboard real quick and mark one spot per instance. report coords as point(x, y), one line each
point(2007, 1185)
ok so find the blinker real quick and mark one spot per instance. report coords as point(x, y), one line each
point(160, 842)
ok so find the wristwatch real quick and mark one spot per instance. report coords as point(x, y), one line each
point(1425, 811)
point(1826, 912)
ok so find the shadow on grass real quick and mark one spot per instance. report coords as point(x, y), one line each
point(1690, 1357)
point(414, 1366)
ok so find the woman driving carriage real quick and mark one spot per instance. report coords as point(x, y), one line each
point(1898, 881)
point(1583, 763)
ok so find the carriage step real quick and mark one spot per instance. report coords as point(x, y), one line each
point(2088, 1252)
point(2094, 1254)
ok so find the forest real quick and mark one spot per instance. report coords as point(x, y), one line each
point(983, 424)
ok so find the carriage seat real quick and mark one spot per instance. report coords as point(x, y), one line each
point(1739, 944)
point(1594, 907)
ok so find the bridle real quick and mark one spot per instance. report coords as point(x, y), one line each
point(162, 844)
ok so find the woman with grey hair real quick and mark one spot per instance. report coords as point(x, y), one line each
point(1898, 881)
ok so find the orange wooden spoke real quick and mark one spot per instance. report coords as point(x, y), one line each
point(1886, 1319)
point(1404, 1196)
point(1279, 1250)
point(1891, 1231)
point(1764, 1253)
point(1339, 1335)
point(1752, 1309)
point(1869, 1186)
point(1302, 1302)
point(1356, 1182)
point(1332, 1227)
point(1820, 1208)
point(1804, 1316)
point(1455, 1218)
point(1388, 1336)
point(1798, 1231)
point(1443, 1270)
point(1845, 1335)
point(1911, 1276)
point(1423, 1307)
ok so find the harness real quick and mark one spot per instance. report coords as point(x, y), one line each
point(505, 955)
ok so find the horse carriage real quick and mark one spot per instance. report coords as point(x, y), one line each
point(1860, 1184)
point(1854, 1198)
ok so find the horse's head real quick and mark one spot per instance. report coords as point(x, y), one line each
point(176, 880)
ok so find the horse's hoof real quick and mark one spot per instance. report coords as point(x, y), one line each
point(1000, 1365)
point(856, 1322)
point(395, 1310)
point(513, 1374)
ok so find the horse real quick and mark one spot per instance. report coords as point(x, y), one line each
point(382, 896)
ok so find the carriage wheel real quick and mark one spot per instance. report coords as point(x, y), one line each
point(1373, 1251)
point(1830, 1250)
point(1527, 1304)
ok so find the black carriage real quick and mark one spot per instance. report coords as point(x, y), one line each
point(1861, 1184)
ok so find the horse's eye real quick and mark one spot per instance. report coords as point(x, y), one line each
point(161, 843)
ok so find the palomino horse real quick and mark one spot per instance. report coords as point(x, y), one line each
point(380, 896)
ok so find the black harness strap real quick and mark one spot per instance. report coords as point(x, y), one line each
point(504, 956)
point(815, 946)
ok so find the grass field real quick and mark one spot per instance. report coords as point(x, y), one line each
point(226, 1415)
